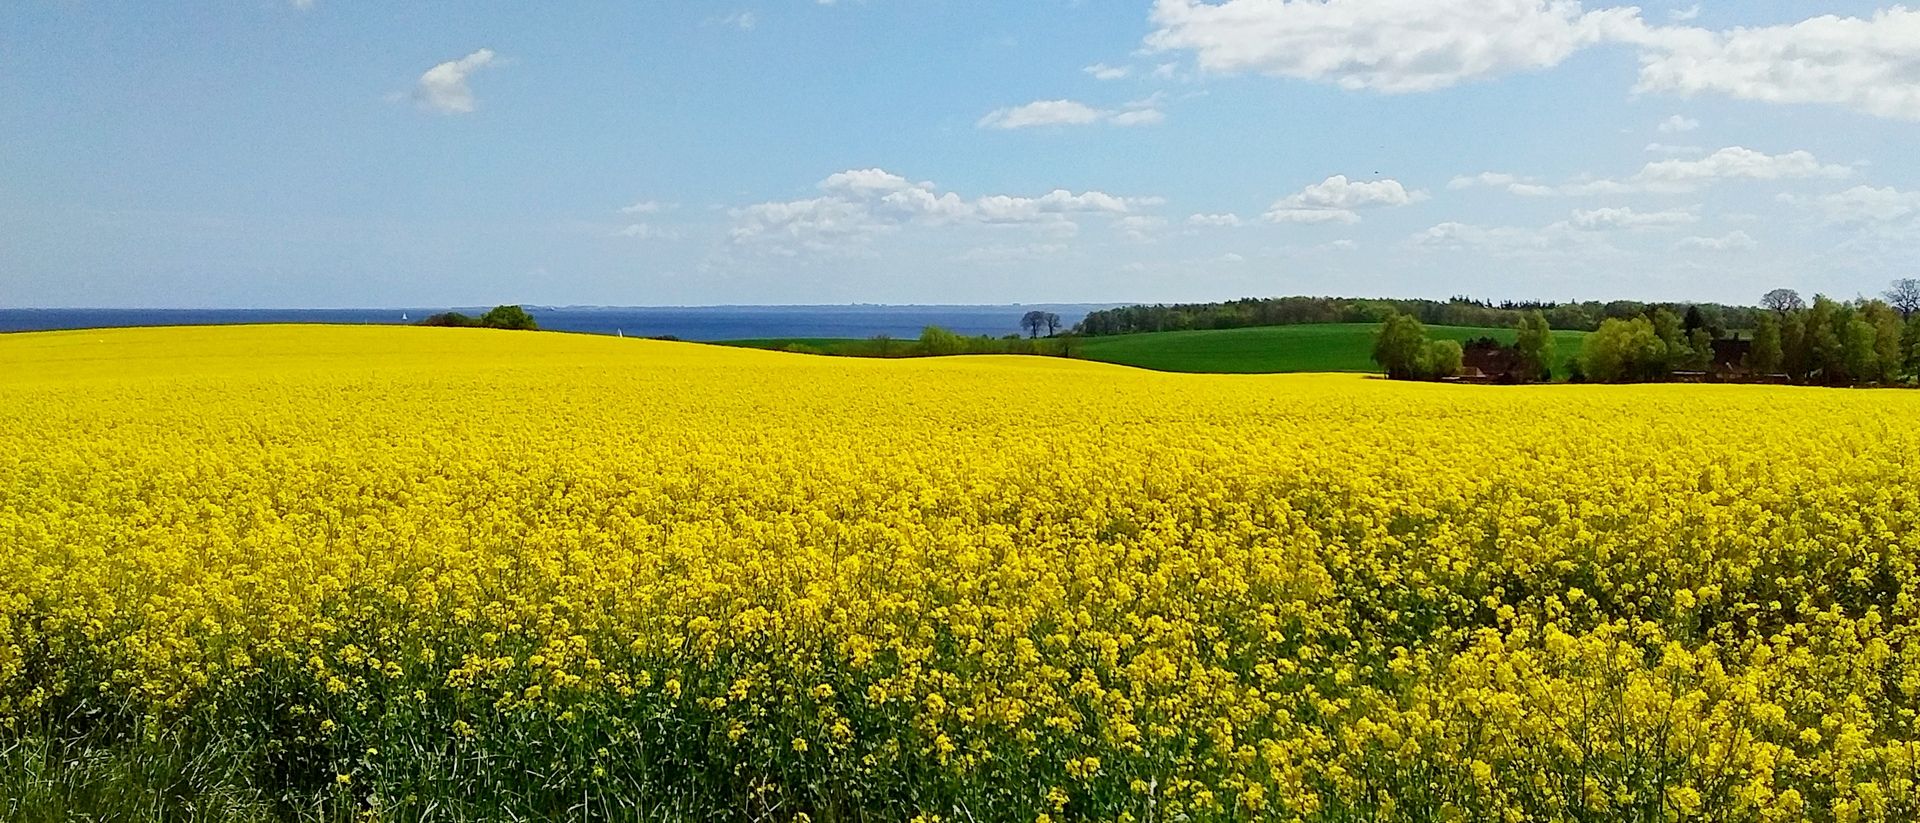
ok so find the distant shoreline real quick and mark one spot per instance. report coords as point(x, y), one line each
point(701, 323)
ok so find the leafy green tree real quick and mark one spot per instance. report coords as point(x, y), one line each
point(1699, 352)
point(1570, 316)
point(1666, 326)
point(1765, 356)
point(1535, 342)
point(1694, 321)
point(1795, 357)
point(450, 318)
point(1857, 351)
point(1888, 353)
point(936, 340)
point(508, 317)
point(1398, 346)
point(1826, 356)
point(1441, 358)
point(1625, 351)
point(1911, 340)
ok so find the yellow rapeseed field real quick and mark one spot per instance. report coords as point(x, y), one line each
point(402, 574)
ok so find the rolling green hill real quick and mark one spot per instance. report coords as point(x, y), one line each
point(1333, 347)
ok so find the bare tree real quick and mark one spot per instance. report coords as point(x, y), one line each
point(1032, 321)
point(1053, 323)
point(1783, 301)
point(1905, 296)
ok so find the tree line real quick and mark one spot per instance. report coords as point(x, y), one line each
point(1456, 311)
point(1863, 342)
point(937, 341)
point(498, 317)
point(1404, 351)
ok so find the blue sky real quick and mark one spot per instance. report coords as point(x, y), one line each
point(330, 153)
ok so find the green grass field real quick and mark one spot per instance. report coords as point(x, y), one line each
point(1335, 347)
point(1332, 347)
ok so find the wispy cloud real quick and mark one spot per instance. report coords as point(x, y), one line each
point(1043, 113)
point(444, 87)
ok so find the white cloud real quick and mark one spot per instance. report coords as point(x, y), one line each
point(444, 88)
point(1678, 125)
point(1042, 113)
point(1338, 200)
point(861, 204)
point(1383, 45)
point(1531, 190)
point(1677, 175)
point(869, 180)
point(1870, 65)
point(743, 20)
point(646, 207)
point(1663, 148)
point(1860, 204)
point(1734, 163)
point(1072, 113)
point(1102, 71)
point(1485, 178)
point(1626, 218)
point(1732, 241)
point(1216, 220)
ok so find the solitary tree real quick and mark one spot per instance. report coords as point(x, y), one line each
point(1053, 323)
point(1535, 342)
point(1783, 301)
point(1765, 355)
point(1398, 345)
point(1905, 296)
point(508, 317)
point(1032, 321)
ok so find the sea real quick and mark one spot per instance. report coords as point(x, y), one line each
point(703, 323)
